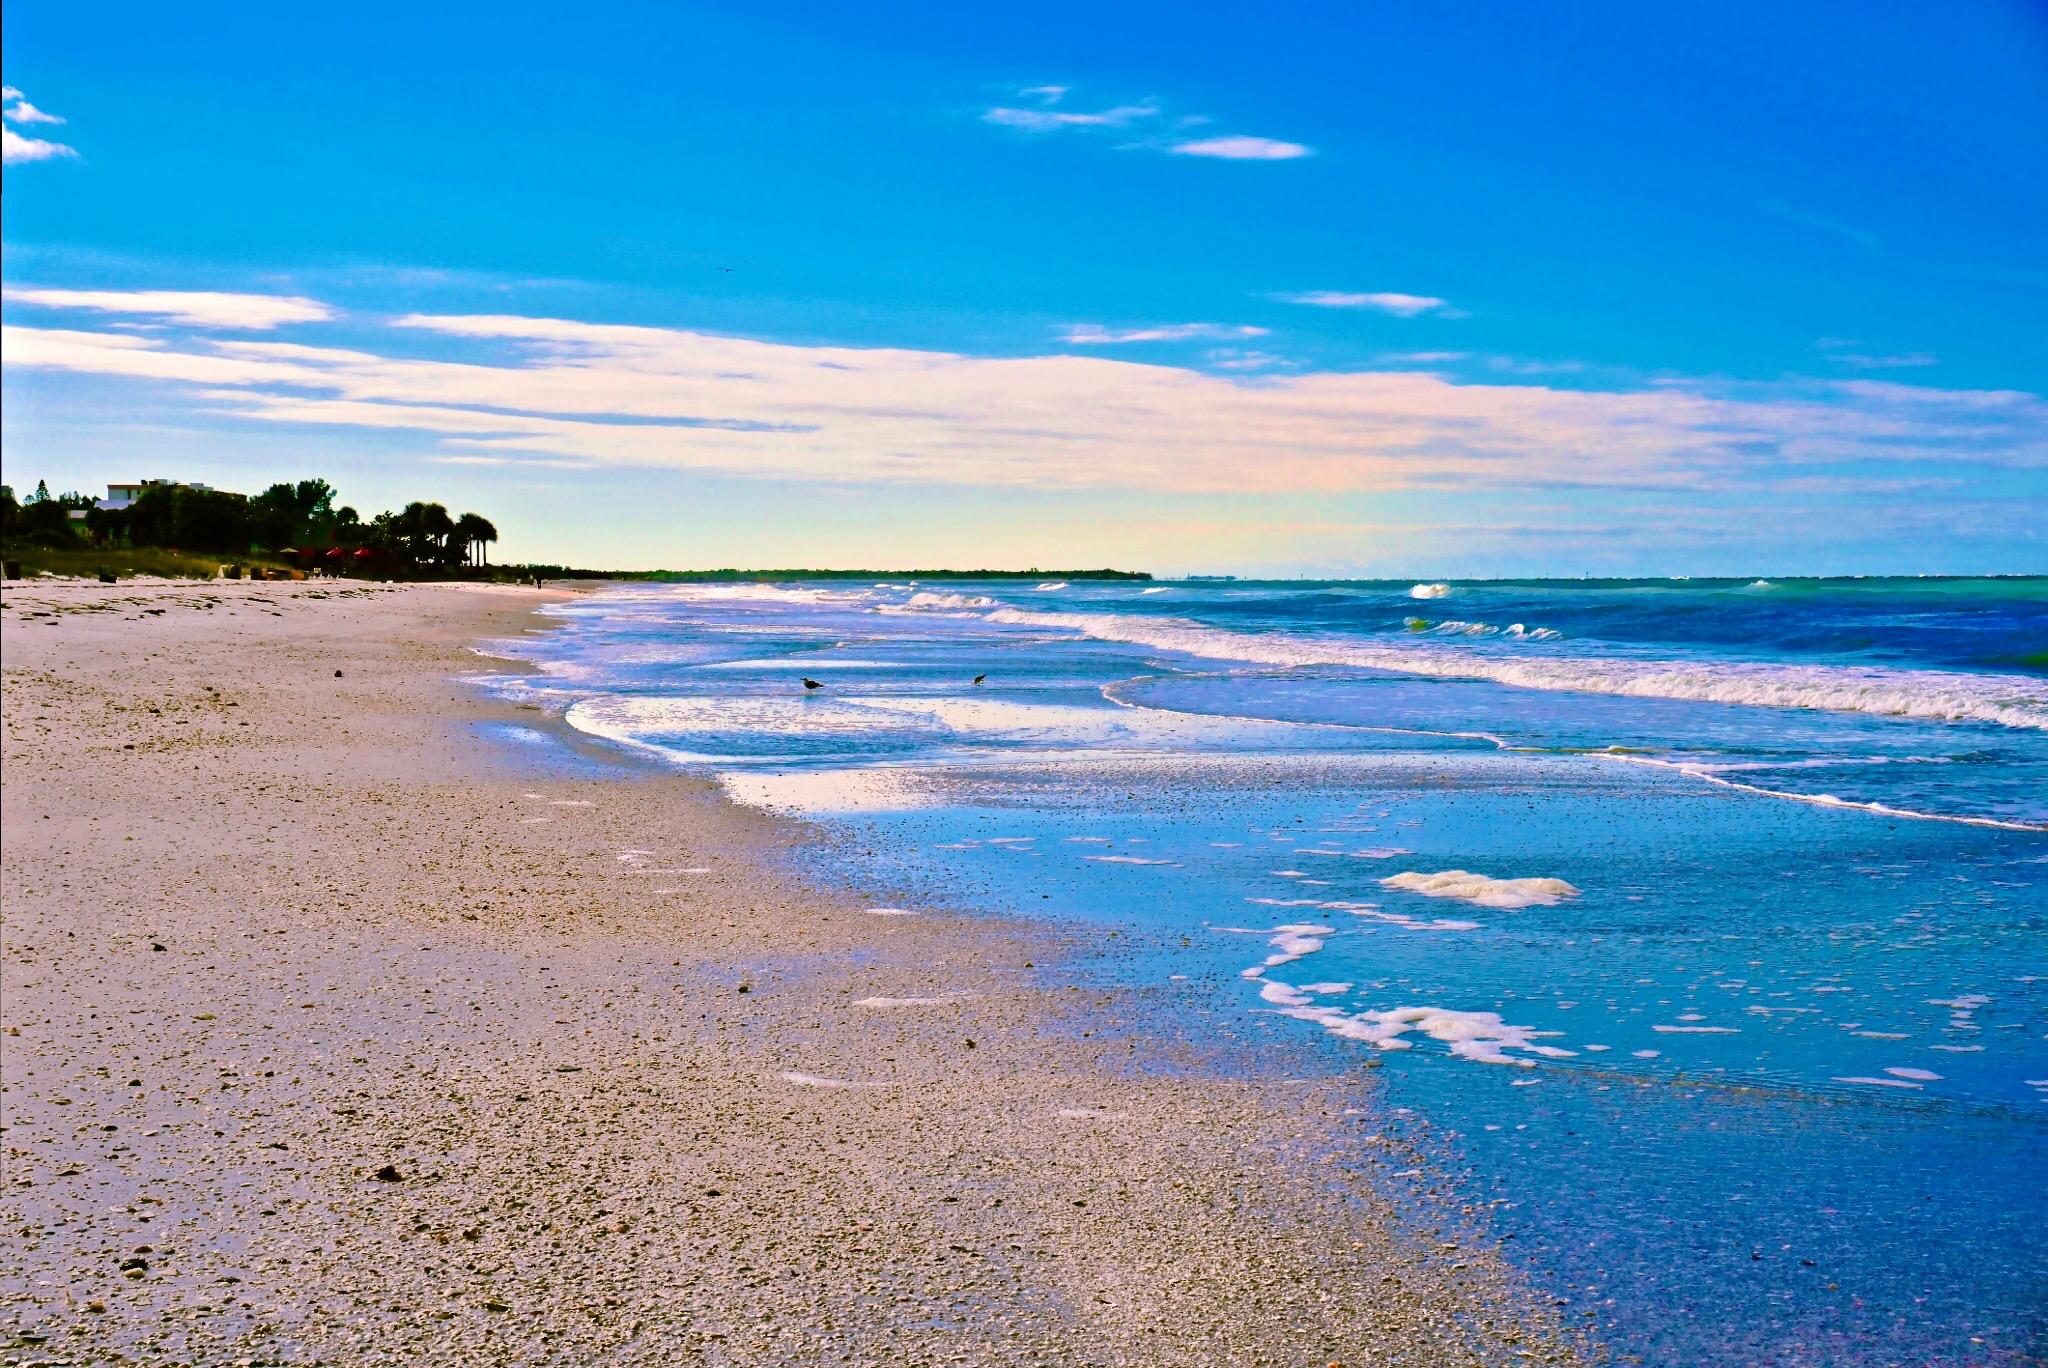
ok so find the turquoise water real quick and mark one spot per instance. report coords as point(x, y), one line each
point(1696, 927)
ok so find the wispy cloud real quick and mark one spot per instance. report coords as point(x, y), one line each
point(1522, 365)
point(1049, 113)
point(1046, 120)
point(1844, 351)
point(196, 308)
point(1096, 335)
point(1235, 359)
point(1239, 147)
point(1384, 301)
point(563, 390)
point(1866, 240)
point(17, 148)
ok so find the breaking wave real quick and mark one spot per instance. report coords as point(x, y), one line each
point(1514, 631)
point(2006, 700)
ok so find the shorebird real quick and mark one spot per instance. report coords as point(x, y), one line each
point(978, 678)
point(810, 683)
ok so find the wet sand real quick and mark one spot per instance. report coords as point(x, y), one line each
point(336, 1032)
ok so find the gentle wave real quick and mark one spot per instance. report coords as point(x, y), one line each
point(2007, 700)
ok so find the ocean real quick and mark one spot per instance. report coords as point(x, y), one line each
point(1691, 931)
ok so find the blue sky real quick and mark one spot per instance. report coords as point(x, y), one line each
point(1375, 289)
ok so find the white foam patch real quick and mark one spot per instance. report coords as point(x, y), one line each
point(705, 729)
point(1917, 1075)
point(1878, 1082)
point(1697, 1030)
point(874, 789)
point(890, 912)
point(804, 1080)
point(1483, 889)
point(1125, 859)
point(1289, 943)
point(1481, 1037)
point(1371, 912)
point(1430, 591)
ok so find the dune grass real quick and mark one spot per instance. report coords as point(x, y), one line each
point(142, 560)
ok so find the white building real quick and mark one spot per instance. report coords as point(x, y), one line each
point(122, 495)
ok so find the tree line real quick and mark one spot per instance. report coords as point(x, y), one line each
point(298, 516)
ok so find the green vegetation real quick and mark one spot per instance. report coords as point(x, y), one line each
point(185, 530)
point(138, 560)
point(290, 524)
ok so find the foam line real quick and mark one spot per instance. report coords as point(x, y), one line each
point(1827, 800)
point(2007, 700)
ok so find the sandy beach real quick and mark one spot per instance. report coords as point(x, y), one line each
point(336, 1033)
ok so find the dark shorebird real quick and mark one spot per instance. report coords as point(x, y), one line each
point(979, 678)
point(810, 683)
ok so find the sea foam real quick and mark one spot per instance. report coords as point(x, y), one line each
point(1483, 889)
point(2008, 700)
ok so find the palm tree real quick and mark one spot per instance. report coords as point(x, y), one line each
point(472, 529)
point(435, 522)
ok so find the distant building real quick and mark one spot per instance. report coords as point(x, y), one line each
point(122, 495)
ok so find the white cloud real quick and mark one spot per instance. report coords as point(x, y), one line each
point(1043, 117)
point(1095, 335)
point(16, 148)
point(200, 309)
point(1048, 120)
point(621, 396)
point(1842, 351)
point(22, 112)
point(1385, 301)
point(1238, 147)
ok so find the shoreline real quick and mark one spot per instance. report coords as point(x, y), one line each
point(647, 1093)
